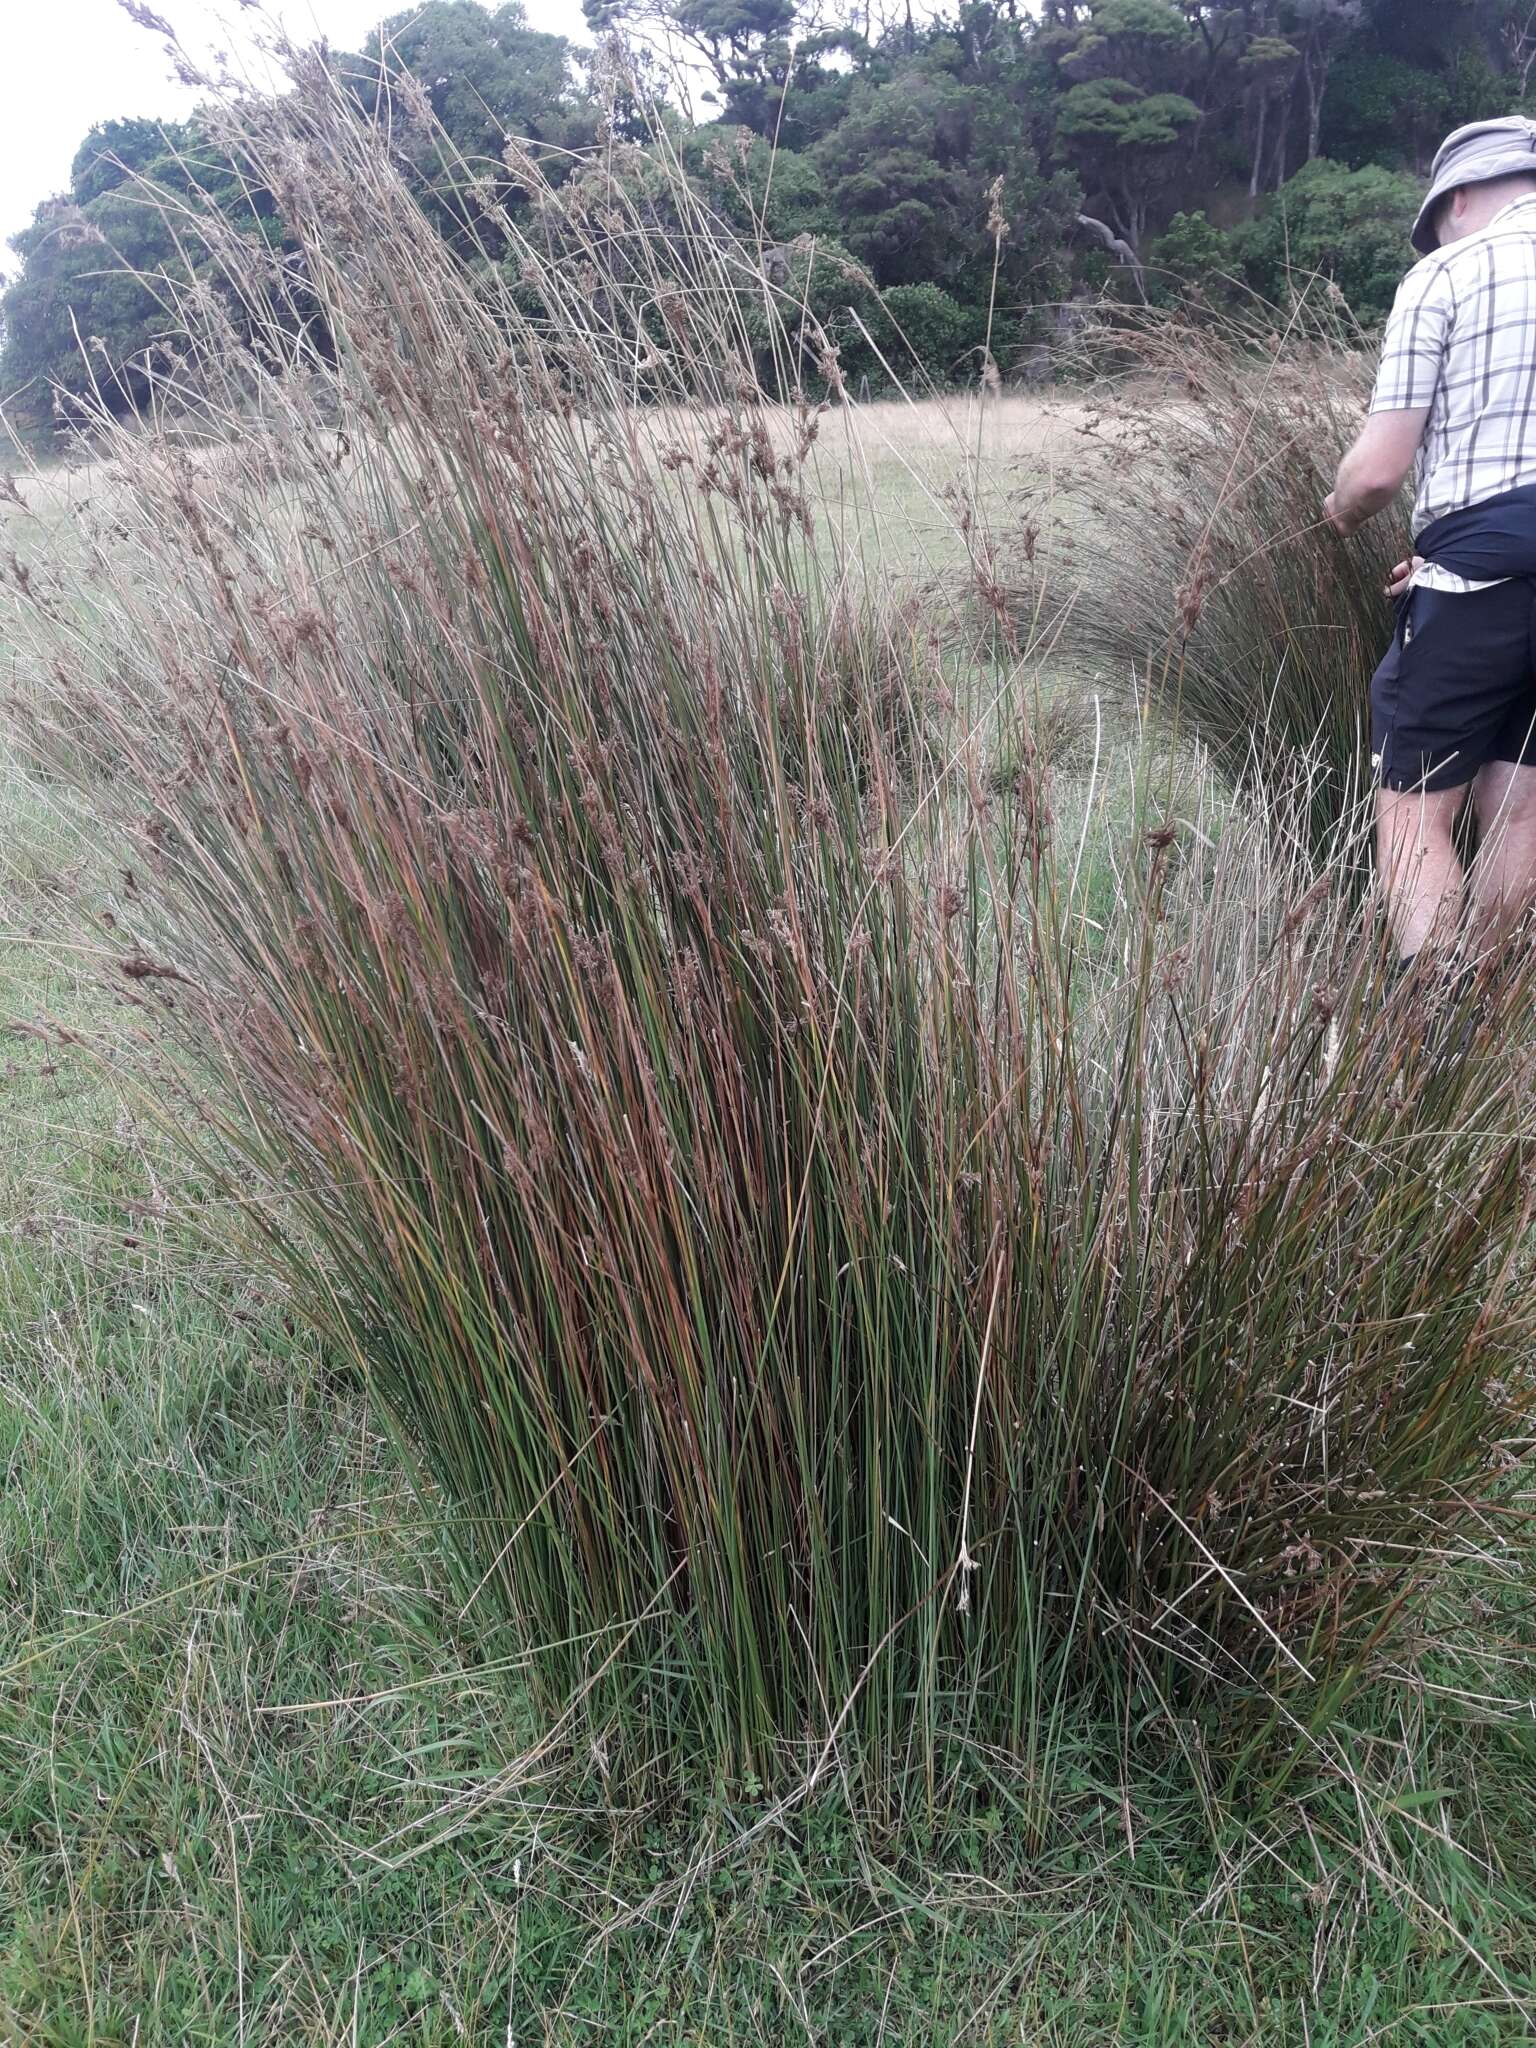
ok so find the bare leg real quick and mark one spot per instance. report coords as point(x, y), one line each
point(1503, 877)
point(1418, 863)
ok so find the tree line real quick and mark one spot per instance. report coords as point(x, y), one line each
point(938, 188)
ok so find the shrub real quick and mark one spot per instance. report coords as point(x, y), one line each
point(1192, 259)
point(1349, 226)
point(855, 1296)
point(765, 193)
point(928, 330)
point(1192, 246)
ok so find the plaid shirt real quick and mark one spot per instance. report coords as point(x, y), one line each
point(1462, 341)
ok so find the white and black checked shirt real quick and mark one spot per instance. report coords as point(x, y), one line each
point(1462, 341)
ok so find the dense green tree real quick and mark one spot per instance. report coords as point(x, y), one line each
point(1430, 33)
point(115, 151)
point(1478, 90)
point(931, 180)
point(88, 308)
point(1152, 41)
point(931, 331)
point(1124, 140)
point(769, 196)
point(100, 264)
point(487, 75)
point(1382, 110)
point(780, 67)
point(901, 174)
point(1123, 117)
point(1191, 250)
point(729, 37)
point(1343, 225)
point(490, 80)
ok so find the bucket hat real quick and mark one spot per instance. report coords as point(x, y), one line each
point(1471, 156)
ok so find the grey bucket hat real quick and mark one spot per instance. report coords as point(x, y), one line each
point(1471, 156)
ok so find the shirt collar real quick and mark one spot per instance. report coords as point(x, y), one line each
point(1525, 199)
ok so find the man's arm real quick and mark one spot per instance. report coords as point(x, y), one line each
point(1376, 468)
point(1407, 382)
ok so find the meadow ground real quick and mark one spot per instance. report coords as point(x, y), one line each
point(265, 1779)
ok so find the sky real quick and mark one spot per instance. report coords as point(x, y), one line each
point(66, 64)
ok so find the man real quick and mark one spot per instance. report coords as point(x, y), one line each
point(1454, 702)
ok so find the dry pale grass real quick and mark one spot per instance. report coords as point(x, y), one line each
point(890, 476)
point(917, 482)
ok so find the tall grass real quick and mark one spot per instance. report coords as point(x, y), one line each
point(1219, 585)
point(871, 1269)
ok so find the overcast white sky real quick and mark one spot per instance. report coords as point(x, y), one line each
point(65, 64)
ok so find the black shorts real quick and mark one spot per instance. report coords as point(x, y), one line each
point(1457, 687)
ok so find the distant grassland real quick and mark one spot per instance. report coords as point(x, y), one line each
point(895, 472)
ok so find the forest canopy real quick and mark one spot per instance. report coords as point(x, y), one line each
point(958, 177)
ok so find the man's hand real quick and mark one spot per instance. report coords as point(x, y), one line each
point(1344, 520)
point(1403, 575)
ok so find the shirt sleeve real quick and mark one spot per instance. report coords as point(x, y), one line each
point(1413, 347)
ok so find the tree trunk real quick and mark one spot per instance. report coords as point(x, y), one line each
point(1315, 72)
point(1119, 248)
point(1278, 164)
point(1258, 148)
point(1520, 47)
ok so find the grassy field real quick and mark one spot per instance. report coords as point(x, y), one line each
point(265, 1778)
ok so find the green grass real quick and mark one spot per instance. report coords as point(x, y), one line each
point(262, 1779)
point(202, 1539)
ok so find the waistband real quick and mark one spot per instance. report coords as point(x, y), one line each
point(1486, 543)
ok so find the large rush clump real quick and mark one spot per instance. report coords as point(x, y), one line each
point(866, 1267)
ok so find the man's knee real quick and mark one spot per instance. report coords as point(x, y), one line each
point(1504, 873)
point(1411, 823)
point(1505, 794)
